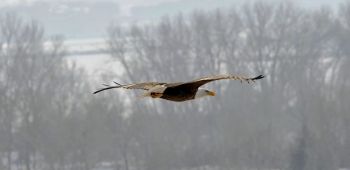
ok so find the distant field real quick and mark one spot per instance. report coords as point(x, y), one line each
point(86, 46)
point(92, 55)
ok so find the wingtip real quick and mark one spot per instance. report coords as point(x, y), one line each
point(258, 77)
point(97, 91)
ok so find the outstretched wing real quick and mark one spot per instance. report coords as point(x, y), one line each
point(141, 86)
point(199, 82)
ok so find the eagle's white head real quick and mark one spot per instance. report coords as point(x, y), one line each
point(203, 93)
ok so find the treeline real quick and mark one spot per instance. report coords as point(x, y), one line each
point(296, 118)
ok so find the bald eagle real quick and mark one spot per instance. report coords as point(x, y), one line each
point(180, 91)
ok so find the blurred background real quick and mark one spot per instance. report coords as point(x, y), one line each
point(55, 53)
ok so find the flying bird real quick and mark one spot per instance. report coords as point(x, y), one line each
point(180, 91)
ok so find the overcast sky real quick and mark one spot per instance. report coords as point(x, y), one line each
point(89, 18)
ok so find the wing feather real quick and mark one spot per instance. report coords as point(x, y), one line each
point(204, 80)
point(141, 86)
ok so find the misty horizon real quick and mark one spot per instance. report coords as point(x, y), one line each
point(89, 19)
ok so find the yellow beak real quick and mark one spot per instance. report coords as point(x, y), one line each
point(210, 93)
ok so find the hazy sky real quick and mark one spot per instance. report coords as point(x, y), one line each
point(90, 18)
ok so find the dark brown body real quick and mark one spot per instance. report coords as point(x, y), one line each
point(179, 93)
